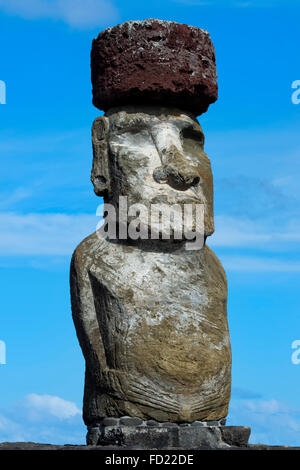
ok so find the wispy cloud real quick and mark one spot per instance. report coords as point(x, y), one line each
point(42, 418)
point(12, 143)
point(253, 197)
point(19, 194)
point(237, 232)
point(52, 419)
point(37, 406)
point(259, 264)
point(257, 245)
point(43, 234)
point(76, 13)
point(272, 422)
point(56, 235)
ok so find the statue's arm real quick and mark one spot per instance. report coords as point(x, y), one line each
point(85, 317)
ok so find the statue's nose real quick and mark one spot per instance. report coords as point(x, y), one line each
point(176, 170)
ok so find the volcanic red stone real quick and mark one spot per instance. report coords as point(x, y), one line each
point(154, 62)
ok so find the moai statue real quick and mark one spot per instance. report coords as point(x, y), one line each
point(150, 314)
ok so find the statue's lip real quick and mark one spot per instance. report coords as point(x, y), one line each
point(178, 199)
point(187, 199)
point(190, 201)
point(184, 197)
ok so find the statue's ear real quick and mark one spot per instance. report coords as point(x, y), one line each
point(100, 176)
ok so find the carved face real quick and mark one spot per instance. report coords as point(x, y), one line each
point(152, 155)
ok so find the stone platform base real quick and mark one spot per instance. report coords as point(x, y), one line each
point(34, 446)
point(168, 435)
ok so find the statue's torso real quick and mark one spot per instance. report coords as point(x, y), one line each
point(163, 324)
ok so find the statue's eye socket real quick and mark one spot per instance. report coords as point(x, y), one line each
point(132, 127)
point(193, 134)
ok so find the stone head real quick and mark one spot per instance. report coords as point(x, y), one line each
point(152, 155)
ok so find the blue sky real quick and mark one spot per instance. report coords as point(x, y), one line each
point(47, 203)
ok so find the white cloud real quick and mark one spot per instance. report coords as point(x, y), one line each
point(57, 235)
point(272, 422)
point(44, 419)
point(244, 232)
point(12, 143)
point(76, 13)
point(18, 195)
point(43, 234)
point(9, 428)
point(258, 264)
point(39, 406)
point(265, 236)
point(51, 419)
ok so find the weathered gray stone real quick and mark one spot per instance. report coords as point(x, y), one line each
point(110, 422)
point(149, 306)
point(174, 437)
point(151, 422)
point(213, 423)
point(92, 436)
point(129, 421)
point(198, 423)
point(235, 435)
point(8, 446)
point(150, 315)
point(131, 144)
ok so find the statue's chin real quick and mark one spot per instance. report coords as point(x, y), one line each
point(172, 232)
point(139, 230)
